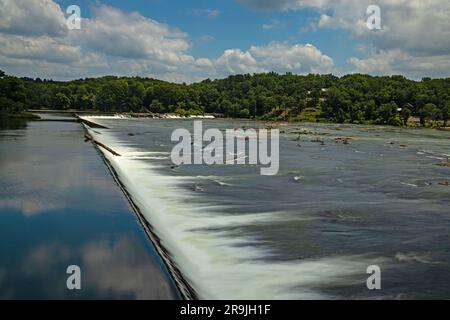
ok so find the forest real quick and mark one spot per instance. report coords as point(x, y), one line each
point(353, 98)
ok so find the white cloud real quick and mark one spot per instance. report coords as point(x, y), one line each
point(397, 61)
point(34, 41)
point(234, 61)
point(130, 35)
point(119, 43)
point(415, 25)
point(416, 32)
point(38, 17)
point(297, 58)
point(40, 48)
point(276, 56)
point(111, 42)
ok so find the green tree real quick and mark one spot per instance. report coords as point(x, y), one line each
point(405, 114)
point(62, 101)
point(445, 113)
point(157, 107)
point(352, 98)
point(428, 112)
point(387, 113)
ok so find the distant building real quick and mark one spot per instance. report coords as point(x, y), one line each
point(409, 106)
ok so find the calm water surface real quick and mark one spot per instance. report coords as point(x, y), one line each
point(60, 206)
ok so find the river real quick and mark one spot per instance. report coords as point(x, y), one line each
point(310, 232)
point(223, 231)
point(60, 206)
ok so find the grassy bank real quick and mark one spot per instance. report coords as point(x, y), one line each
point(21, 116)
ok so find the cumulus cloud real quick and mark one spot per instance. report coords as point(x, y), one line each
point(111, 42)
point(297, 58)
point(130, 35)
point(415, 32)
point(35, 41)
point(415, 25)
point(236, 61)
point(39, 17)
point(397, 61)
point(276, 56)
point(123, 43)
point(41, 48)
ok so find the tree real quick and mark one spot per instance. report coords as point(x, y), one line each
point(62, 101)
point(428, 112)
point(405, 114)
point(13, 97)
point(244, 113)
point(387, 113)
point(370, 111)
point(156, 106)
point(355, 98)
point(445, 113)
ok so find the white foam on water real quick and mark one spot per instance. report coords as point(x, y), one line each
point(409, 184)
point(216, 179)
point(216, 263)
point(412, 257)
point(116, 116)
point(434, 157)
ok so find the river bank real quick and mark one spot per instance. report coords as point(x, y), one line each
point(26, 116)
point(413, 122)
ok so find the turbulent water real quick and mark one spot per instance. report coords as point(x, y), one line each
point(309, 232)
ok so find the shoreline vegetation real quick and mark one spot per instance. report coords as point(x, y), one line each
point(353, 99)
point(20, 116)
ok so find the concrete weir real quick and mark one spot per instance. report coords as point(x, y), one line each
point(184, 289)
point(88, 137)
point(90, 123)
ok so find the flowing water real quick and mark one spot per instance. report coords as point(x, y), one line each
point(225, 231)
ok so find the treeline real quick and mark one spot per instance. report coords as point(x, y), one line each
point(353, 98)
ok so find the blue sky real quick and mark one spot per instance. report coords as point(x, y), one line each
point(181, 40)
point(236, 25)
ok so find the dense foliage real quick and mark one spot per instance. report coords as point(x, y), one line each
point(353, 98)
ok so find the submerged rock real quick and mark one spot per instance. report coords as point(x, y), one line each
point(342, 140)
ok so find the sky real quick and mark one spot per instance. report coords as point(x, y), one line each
point(189, 41)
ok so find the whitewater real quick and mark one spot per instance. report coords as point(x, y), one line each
point(197, 236)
